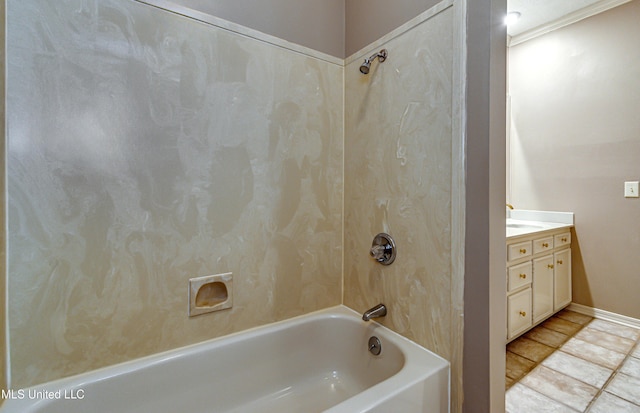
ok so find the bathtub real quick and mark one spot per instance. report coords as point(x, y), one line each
point(319, 362)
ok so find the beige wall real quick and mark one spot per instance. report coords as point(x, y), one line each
point(368, 20)
point(485, 254)
point(150, 152)
point(575, 139)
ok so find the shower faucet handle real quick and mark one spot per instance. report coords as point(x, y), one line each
point(383, 249)
point(377, 252)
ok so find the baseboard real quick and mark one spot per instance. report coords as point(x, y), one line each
point(605, 315)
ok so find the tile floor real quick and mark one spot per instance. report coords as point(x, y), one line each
point(574, 363)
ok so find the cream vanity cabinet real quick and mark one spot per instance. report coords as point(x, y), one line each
point(538, 278)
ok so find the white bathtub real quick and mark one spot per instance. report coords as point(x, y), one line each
point(313, 363)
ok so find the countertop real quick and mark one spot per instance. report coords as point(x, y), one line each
point(526, 222)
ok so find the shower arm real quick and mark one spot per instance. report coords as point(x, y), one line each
point(381, 55)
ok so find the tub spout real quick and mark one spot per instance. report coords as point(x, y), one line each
point(378, 311)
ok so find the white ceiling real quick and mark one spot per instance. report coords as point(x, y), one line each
point(535, 13)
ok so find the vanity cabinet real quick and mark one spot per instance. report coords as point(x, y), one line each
point(538, 278)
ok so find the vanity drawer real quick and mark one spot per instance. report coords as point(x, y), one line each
point(562, 239)
point(519, 275)
point(542, 244)
point(518, 250)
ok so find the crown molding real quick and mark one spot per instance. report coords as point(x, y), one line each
point(570, 18)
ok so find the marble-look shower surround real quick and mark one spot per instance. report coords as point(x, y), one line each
point(401, 141)
point(398, 179)
point(145, 148)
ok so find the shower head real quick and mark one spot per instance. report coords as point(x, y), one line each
point(366, 66)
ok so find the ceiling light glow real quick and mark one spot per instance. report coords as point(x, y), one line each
point(511, 18)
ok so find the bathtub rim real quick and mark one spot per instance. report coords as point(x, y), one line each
point(419, 363)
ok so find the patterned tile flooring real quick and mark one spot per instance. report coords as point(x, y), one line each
point(574, 363)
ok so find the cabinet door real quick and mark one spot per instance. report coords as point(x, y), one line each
point(562, 282)
point(542, 287)
point(518, 313)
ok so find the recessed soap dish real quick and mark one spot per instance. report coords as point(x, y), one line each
point(210, 293)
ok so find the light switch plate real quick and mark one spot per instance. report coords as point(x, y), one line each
point(631, 190)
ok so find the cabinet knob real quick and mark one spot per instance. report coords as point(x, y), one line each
point(545, 245)
point(550, 266)
point(523, 276)
point(523, 250)
point(560, 262)
point(523, 314)
point(563, 239)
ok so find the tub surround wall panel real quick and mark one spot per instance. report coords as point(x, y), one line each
point(319, 25)
point(269, 25)
point(143, 149)
point(458, 206)
point(575, 139)
point(398, 133)
point(338, 28)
